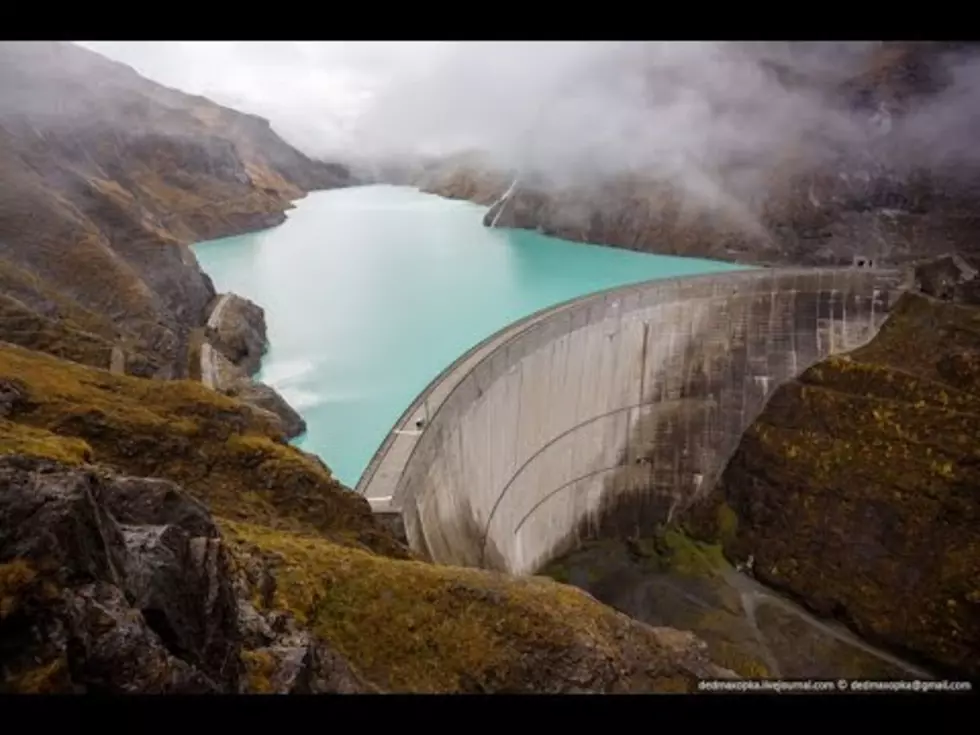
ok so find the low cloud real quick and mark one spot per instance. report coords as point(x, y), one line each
point(716, 116)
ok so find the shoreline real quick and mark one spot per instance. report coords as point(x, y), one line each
point(234, 378)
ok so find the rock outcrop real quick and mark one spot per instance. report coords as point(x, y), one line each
point(110, 584)
point(231, 353)
point(156, 536)
point(265, 398)
point(236, 328)
point(950, 278)
point(119, 584)
point(106, 178)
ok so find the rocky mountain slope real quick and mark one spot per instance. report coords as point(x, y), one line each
point(105, 179)
point(159, 536)
point(856, 490)
point(889, 190)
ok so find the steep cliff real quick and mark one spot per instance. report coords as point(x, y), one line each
point(856, 490)
point(855, 494)
point(887, 190)
point(105, 180)
point(159, 537)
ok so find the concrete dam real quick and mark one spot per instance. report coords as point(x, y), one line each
point(624, 406)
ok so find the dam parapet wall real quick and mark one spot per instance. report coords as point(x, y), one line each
point(633, 398)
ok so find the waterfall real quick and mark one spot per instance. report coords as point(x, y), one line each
point(506, 195)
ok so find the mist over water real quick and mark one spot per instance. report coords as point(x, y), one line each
point(370, 292)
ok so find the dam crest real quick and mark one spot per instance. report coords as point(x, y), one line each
point(633, 398)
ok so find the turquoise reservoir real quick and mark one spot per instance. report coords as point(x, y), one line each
point(369, 292)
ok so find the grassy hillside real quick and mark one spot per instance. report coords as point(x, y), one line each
point(304, 556)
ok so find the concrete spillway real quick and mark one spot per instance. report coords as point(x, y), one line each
point(633, 398)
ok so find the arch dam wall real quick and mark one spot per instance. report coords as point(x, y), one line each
point(623, 405)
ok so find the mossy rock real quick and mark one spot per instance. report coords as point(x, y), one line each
point(215, 447)
point(411, 626)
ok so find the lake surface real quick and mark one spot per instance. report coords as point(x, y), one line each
point(369, 292)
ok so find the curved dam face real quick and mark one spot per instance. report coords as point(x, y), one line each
point(611, 413)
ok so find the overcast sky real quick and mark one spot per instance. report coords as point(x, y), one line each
point(384, 96)
point(312, 91)
point(704, 111)
point(510, 97)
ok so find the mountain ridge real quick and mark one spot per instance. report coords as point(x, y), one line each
point(130, 173)
point(892, 188)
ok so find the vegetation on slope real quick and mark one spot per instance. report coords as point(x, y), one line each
point(668, 578)
point(411, 626)
point(307, 554)
point(856, 489)
point(222, 452)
